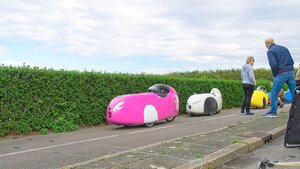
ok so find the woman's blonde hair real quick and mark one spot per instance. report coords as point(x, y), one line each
point(249, 59)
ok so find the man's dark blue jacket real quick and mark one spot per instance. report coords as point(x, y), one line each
point(280, 59)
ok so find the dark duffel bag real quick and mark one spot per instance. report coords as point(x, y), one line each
point(292, 135)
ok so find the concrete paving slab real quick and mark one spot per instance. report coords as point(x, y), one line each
point(200, 150)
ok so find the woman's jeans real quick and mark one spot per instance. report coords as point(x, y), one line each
point(248, 89)
point(278, 82)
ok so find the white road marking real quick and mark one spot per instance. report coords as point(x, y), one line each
point(220, 117)
point(158, 128)
point(58, 145)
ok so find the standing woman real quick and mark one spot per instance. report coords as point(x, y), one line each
point(248, 84)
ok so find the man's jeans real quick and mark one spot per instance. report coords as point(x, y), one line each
point(278, 82)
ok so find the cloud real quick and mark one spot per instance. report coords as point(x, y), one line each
point(215, 32)
point(3, 51)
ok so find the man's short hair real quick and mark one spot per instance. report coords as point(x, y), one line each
point(269, 41)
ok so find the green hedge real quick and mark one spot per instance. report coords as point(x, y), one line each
point(34, 99)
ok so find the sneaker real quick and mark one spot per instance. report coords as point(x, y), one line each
point(242, 111)
point(267, 113)
point(249, 113)
point(270, 115)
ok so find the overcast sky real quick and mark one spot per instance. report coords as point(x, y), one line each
point(151, 36)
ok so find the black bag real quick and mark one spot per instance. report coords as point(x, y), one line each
point(292, 135)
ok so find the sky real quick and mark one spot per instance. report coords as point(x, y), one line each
point(145, 36)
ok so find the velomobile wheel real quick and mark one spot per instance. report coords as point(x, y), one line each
point(170, 119)
point(264, 103)
point(218, 111)
point(149, 124)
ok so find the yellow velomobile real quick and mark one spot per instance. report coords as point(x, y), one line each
point(259, 98)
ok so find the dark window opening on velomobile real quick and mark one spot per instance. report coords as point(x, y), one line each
point(160, 89)
point(210, 105)
point(261, 88)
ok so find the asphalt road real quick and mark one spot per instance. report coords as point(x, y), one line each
point(58, 150)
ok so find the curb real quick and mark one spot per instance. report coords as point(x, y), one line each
point(210, 161)
point(277, 131)
point(231, 152)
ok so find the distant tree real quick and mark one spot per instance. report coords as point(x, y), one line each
point(231, 74)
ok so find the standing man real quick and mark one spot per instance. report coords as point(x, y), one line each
point(282, 65)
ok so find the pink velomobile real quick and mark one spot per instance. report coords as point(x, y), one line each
point(159, 103)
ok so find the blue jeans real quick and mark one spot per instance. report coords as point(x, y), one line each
point(278, 82)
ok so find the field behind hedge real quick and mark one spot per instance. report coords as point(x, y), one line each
point(43, 100)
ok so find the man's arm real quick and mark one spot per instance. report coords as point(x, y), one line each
point(273, 63)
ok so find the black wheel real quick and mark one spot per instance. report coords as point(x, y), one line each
point(218, 111)
point(149, 124)
point(170, 119)
point(264, 103)
point(190, 114)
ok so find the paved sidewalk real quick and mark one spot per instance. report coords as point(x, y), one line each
point(190, 150)
point(274, 151)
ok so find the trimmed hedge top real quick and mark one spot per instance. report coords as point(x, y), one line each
point(33, 99)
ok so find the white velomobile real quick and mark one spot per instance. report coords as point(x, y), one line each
point(206, 103)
